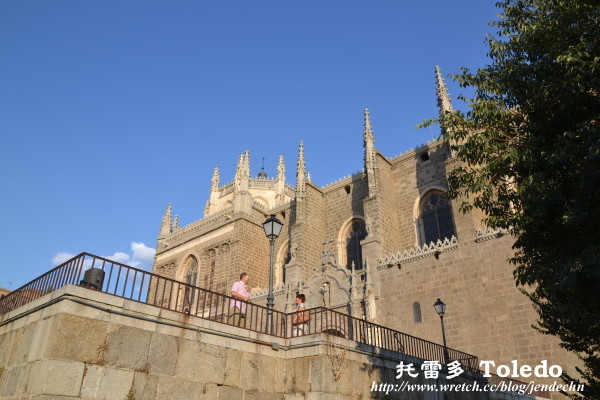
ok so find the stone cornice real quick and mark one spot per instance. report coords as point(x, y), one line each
point(416, 253)
point(487, 233)
point(263, 293)
point(412, 153)
point(343, 181)
point(197, 228)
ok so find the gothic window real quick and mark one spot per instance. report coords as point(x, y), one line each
point(209, 270)
point(191, 274)
point(191, 278)
point(356, 233)
point(261, 202)
point(417, 312)
point(283, 258)
point(435, 218)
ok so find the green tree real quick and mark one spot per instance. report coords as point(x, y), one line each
point(530, 152)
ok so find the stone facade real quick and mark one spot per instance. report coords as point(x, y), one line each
point(409, 246)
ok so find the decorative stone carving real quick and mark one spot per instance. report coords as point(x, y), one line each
point(293, 252)
point(418, 252)
point(487, 233)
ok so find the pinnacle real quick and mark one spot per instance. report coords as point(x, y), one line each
point(444, 102)
point(215, 179)
point(368, 128)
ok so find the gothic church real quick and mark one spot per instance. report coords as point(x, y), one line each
point(382, 245)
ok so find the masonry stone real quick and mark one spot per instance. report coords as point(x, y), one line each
point(178, 389)
point(249, 395)
point(12, 381)
point(233, 368)
point(101, 382)
point(189, 355)
point(293, 396)
point(74, 338)
point(55, 377)
point(162, 357)
point(124, 347)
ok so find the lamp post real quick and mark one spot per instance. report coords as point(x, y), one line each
point(272, 228)
point(440, 308)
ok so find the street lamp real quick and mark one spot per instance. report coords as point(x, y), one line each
point(440, 308)
point(272, 228)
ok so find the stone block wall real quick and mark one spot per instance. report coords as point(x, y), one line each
point(80, 344)
point(238, 245)
point(309, 231)
point(414, 177)
point(486, 314)
point(391, 231)
point(343, 202)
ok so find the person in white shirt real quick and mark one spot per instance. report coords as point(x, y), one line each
point(237, 305)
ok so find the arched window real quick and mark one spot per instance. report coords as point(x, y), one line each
point(208, 272)
point(283, 257)
point(191, 273)
point(435, 218)
point(357, 231)
point(191, 278)
point(417, 312)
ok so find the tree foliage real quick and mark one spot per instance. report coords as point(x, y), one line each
point(530, 151)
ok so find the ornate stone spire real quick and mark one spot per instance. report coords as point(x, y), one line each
point(280, 183)
point(369, 294)
point(165, 227)
point(211, 204)
point(175, 224)
point(242, 173)
point(300, 170)
point(369, 145)
point(242, 200)
point(215, 180)
point(368, 132)
point(442, 93)
point(353, 278)
point(281, 169)
point(246, 165)
point(238, 172)
point(300, 184)
point(355, 297)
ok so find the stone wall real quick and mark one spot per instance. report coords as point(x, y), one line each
point(486, 314)
point(413, 178)
point(343, 202)
point(237, 245)
point(391, 232)
point(80, 344)
point(310, 230)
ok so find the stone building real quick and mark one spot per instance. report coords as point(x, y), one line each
point(382, 244)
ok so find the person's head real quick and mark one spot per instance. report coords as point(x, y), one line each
point(300, 298)
point(244, 277)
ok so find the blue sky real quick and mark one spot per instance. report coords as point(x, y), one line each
point(109, 110)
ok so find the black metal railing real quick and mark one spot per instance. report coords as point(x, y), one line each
point(135, 284)
point(120, 280)
point(324, 320)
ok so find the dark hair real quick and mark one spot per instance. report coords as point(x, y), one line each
point(242, 275)
point(301, 297)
